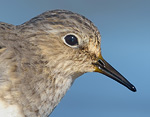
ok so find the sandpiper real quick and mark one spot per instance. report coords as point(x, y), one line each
point(40, 59)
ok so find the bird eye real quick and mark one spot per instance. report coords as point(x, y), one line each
point(71, 40)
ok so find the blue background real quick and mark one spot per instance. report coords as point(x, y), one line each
point(125, 29)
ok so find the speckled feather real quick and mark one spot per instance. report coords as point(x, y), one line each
point(37, 68)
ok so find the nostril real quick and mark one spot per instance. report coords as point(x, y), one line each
point(101, 62)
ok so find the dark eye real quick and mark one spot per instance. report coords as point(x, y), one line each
point(71, 40)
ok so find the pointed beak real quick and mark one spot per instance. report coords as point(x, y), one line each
point(105, 68)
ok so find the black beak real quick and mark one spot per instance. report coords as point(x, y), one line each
point(105, 68)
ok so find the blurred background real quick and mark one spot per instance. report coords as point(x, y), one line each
point(125, 29)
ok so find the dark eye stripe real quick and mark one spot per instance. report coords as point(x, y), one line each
point(71, 40)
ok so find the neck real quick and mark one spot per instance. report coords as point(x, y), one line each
point(35, 88)
point(43, 92)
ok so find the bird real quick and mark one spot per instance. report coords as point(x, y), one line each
point(41, 58)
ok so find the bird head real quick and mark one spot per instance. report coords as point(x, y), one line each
point(70, 43)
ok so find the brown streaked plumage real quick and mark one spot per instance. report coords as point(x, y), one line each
point(39, 63)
